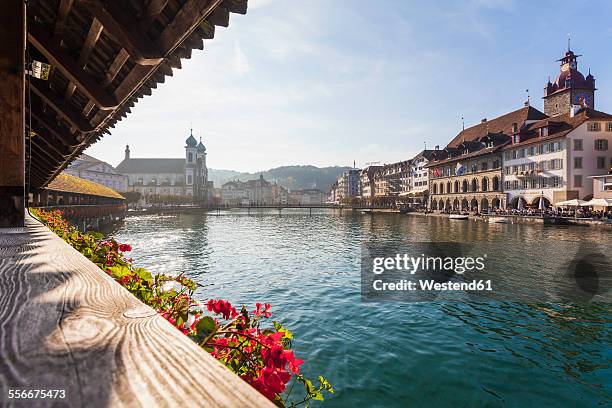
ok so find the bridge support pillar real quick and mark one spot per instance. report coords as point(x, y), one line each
point(12, 115)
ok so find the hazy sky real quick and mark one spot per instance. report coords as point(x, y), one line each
point(326, 82)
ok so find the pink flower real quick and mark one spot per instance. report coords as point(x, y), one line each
point(265, 311)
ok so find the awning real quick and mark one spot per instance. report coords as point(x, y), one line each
point(570, 203)
point(598, 202)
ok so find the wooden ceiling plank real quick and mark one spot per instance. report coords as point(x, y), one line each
point(40, 38)
point(155, 8)
point(188, 18)
point(46, 138)
point(48, 152)
point(114, 68)
point(125, 30)
point(60, 134)
point(90, 41)
point(62, 16)
point(75, 119)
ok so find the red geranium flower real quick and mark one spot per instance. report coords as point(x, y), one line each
point(125, 247)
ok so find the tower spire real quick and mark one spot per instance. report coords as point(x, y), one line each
point(569, 40)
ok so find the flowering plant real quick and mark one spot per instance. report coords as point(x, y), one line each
point(261, 356)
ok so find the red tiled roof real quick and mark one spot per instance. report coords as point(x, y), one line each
point(559, 126)
point(501, 124)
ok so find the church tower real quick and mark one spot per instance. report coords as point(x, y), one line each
point(191, 151)
point(201, 191)
point(570, 88)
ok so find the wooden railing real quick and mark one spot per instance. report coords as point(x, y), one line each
point(67, 326)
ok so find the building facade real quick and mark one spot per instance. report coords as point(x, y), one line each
point(419, 179)
point(97, 171)
point(252, 192)
point(468, 177)
point(168, 178)
point(307, 196)
point(552, 158)
point(348, 185)
point(367, 184)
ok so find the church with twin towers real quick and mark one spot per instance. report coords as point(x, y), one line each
point(183, 178)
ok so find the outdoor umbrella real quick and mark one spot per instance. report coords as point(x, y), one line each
point(570, 203)
point(598, 202)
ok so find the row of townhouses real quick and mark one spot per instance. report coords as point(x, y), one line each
point(263, 192)
point(513, 161)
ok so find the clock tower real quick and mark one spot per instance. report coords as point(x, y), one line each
point(570, 88)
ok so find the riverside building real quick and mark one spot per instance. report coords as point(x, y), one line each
point(553, 158)
point(367, 184)
point(467, 174)
point(523, 157)
point(97, 171)
point(170, 177)
point(419, 179)
point(347, 187)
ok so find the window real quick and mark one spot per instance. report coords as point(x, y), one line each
point(521, 153)
point(507, 185)
point(577, 181)
point(555, 182)
point(190, 157)
point(514, 154)
point(594, 127)
point(189, 178)
point(484, 166)
point(577, 162)
point(531, 151)
point(525, 185)
point(544, 182)
point(601, 144)
point(507, 156)
point(601, 162)
point(577, 145)
point(609, 127)
point(540, 149)
point(507, 170)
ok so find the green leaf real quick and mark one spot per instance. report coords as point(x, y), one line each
point(206, 325)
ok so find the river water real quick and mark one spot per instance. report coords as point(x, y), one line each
point(474, 353)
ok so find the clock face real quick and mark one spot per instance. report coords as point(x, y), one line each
point(588, 99)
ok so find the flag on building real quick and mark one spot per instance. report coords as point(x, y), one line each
point(460, 169)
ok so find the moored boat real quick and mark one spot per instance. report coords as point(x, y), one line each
point(498, 220)
point(458, 217)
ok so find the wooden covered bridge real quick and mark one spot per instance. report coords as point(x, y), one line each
point(64, 324)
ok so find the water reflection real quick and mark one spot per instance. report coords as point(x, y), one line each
point(475, 353)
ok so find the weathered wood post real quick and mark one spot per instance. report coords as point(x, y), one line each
point(12, 102)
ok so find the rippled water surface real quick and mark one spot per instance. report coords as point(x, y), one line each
point(392, 354)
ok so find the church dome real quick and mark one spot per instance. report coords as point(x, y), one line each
point(191, 141)
point(572, 78)
point(201, 148)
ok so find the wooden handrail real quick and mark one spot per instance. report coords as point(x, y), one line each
point(68, 326)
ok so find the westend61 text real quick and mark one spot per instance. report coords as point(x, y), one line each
point(431, 285)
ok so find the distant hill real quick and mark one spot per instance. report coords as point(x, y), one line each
point(290, 177)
